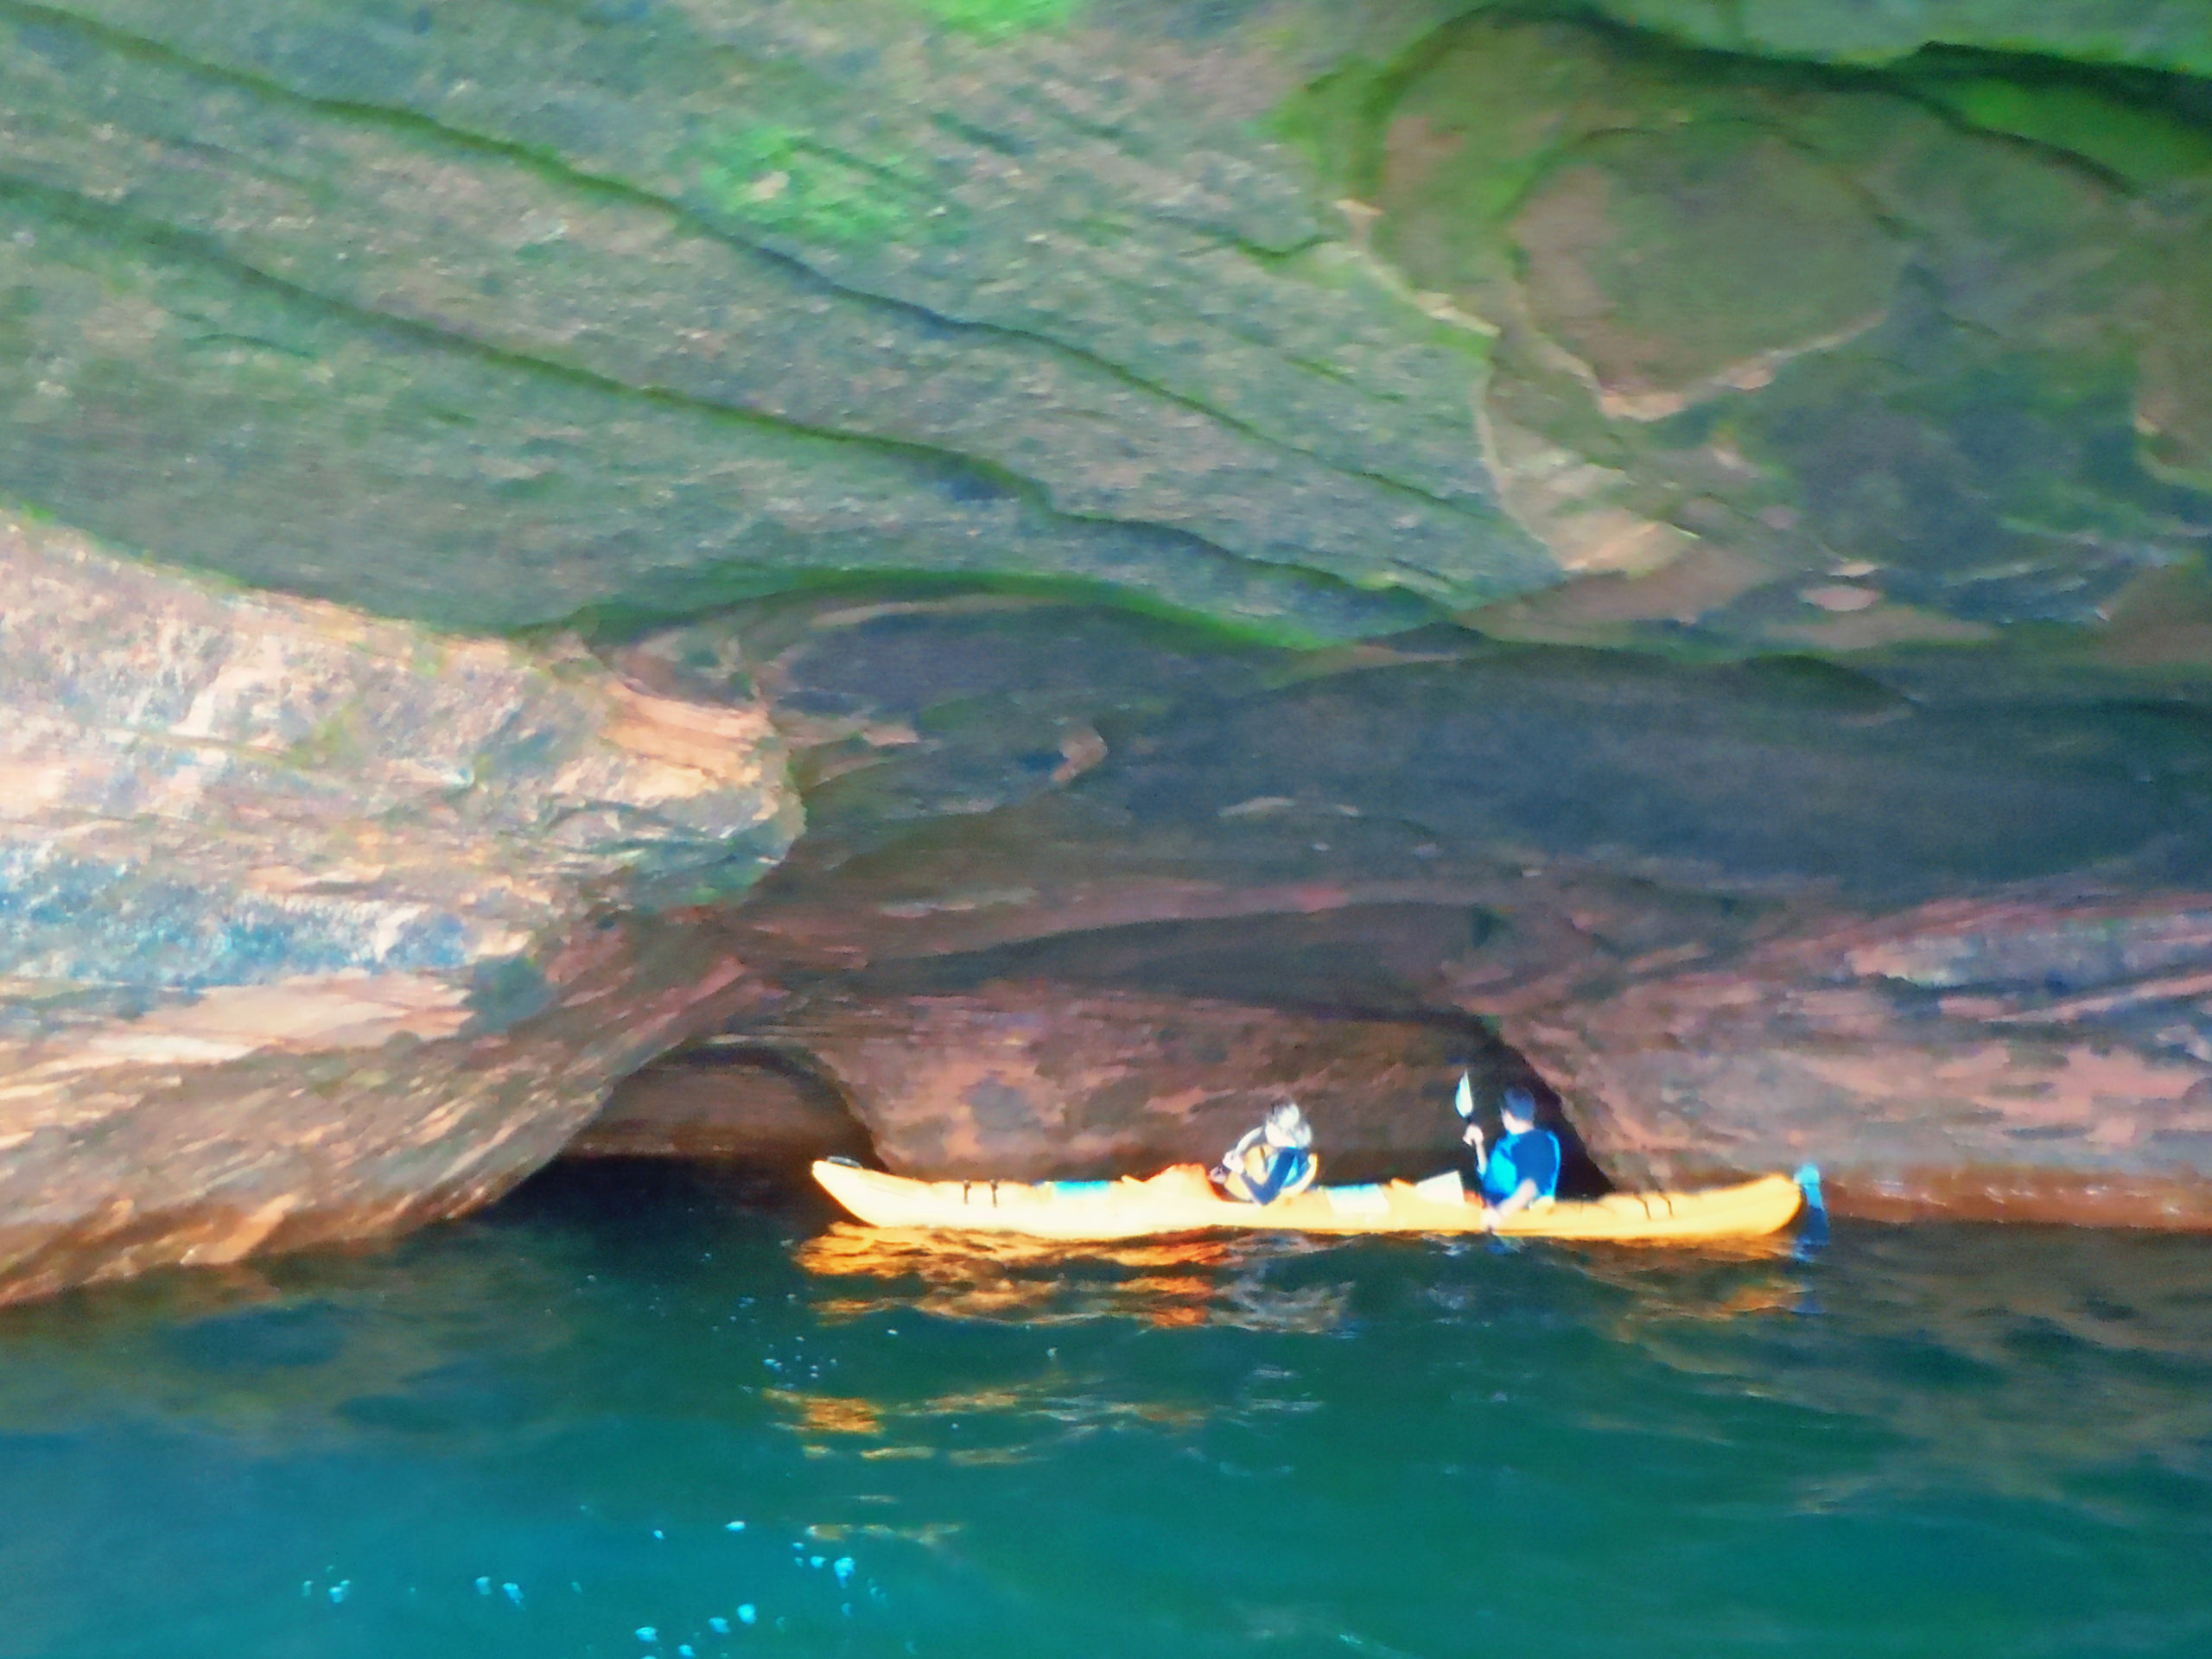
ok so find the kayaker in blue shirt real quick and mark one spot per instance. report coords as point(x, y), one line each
point(1523, 1168)
point(1275, 1160)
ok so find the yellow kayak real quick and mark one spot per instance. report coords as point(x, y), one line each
point(1180, 1200)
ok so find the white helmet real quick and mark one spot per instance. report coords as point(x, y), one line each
point(1287, 1125)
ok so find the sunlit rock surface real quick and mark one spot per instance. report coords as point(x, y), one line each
point(305, 916)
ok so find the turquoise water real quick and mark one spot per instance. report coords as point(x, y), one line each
point(1943, 1441)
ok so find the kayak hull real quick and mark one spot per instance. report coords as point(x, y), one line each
point(1180, 1200)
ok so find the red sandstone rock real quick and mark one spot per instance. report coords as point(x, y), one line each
point(729, 1099)
point(1701, 901)
point(1024, 1081)
point(2038, 1057)
point(305, 928)
point(135, 1150)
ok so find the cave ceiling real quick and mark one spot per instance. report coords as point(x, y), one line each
point(1666, 538)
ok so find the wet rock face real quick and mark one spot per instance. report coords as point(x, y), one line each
point(306, 918)
point(1321, 321)
point(722, 297)
point(320, 1112)
point(1026, 1081)
point(1675, 544)
point(1799, 360)
point(1672, 268)
point(2036, 1058)
point(727, 1100)
point(2151, 33)
point(211, 790)
point(1938, 932)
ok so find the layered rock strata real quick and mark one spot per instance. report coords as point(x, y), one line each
point(1855, 416)
point(306, 918)
point(726, 297)
point(1950, 945)
point(729, 1099)
point(2039, 1057)
point(1321, 321)
point(1031, 1080)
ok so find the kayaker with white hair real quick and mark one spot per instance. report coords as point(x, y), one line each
point(1274, 1160)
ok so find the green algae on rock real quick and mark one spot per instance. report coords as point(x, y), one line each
point(1808, 325)
point(1701, 260)
point(1020, 292)
point(2174, 35)
point(774, 177)
point(2173, 397)
point(689, 216)
point(992, 18)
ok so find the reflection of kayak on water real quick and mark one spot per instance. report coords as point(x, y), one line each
point(1180, 1200)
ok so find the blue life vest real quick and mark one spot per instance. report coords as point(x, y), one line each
point(1531, 1155)
point(1286, 1164)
